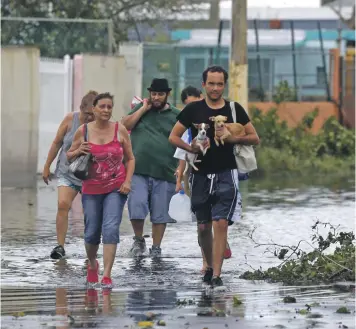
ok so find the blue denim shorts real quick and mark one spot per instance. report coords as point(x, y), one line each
point(102, 216)
point(150, 195)
point(63, 181)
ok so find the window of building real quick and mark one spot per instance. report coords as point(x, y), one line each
point(320, 76)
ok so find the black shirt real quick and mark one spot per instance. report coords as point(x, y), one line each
point(217, 158)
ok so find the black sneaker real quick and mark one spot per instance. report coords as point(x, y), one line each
point(216, 282)
point(208, 275)
point(58, 252)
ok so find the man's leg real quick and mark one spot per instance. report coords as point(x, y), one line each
point(138, 211)
point(205, 265)
point(205, 238)
point(225, 210)
point(219, 245)
point(161, 195)
point(200, 198)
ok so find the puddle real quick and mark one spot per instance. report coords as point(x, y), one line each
point(37, 292)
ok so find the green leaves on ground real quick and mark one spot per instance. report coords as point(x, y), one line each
point(316, 266)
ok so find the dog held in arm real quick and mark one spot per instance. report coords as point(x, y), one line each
point(192, 158)
point(224, 130)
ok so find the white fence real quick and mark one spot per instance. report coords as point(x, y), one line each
point(56, 96)
point(63, 80)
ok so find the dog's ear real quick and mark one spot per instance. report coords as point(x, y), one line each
point(212, 118)
point(196, 125)
point(225, 119)
point(207, 126)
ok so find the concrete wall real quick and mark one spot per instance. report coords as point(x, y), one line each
point(20, 104)
point(102, 74)
point(133, 55)
point(293, 112)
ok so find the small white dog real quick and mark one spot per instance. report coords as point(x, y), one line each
point(191, 158)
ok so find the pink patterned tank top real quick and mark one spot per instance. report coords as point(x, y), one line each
point(107, 172)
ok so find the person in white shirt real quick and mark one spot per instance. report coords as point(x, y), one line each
point(190, 94)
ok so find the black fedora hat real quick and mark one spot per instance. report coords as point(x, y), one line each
point(159, 85)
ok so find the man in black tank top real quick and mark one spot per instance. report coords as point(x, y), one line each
point(215, 196)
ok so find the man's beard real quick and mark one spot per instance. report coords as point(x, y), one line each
point(161, 106)
point(214, 99)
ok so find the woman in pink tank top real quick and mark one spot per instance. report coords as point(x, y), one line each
point(105, 191)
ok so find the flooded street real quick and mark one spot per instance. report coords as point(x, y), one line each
point(37, 292)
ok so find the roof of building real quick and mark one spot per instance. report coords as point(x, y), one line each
point(338, 3)
point(265, 13)
point(202, 12)
point(276, 38)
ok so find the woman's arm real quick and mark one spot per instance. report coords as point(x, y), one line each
point(128, 154)
point(78, 146)
point(56, 145)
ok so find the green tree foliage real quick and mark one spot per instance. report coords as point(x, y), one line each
point(296, 149)
point(55, 39)
point(284, 93)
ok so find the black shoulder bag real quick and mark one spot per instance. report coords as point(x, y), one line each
point(80, 166)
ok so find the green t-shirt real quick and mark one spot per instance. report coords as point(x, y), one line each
point(153, 152)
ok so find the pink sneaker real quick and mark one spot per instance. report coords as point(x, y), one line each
point(227, 253)
point(93, 275)
point(106, 283)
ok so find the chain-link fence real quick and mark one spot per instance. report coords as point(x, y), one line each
point(56, 37)
point(270, 71)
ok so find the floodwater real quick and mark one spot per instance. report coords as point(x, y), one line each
point(37, 292)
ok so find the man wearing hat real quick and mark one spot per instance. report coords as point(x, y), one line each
point(153, 183)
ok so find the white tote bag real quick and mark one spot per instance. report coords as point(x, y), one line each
point(244, 154)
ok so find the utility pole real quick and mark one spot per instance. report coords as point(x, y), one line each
point(238, 69)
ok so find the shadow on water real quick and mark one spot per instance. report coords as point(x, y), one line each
point(41, 293)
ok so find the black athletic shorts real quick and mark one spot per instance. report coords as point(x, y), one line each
point(216, 196)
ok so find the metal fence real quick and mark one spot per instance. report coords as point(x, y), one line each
point(270, 70)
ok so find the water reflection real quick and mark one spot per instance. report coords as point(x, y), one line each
point(261, 306)
point(38, 287)
point(62, 306)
